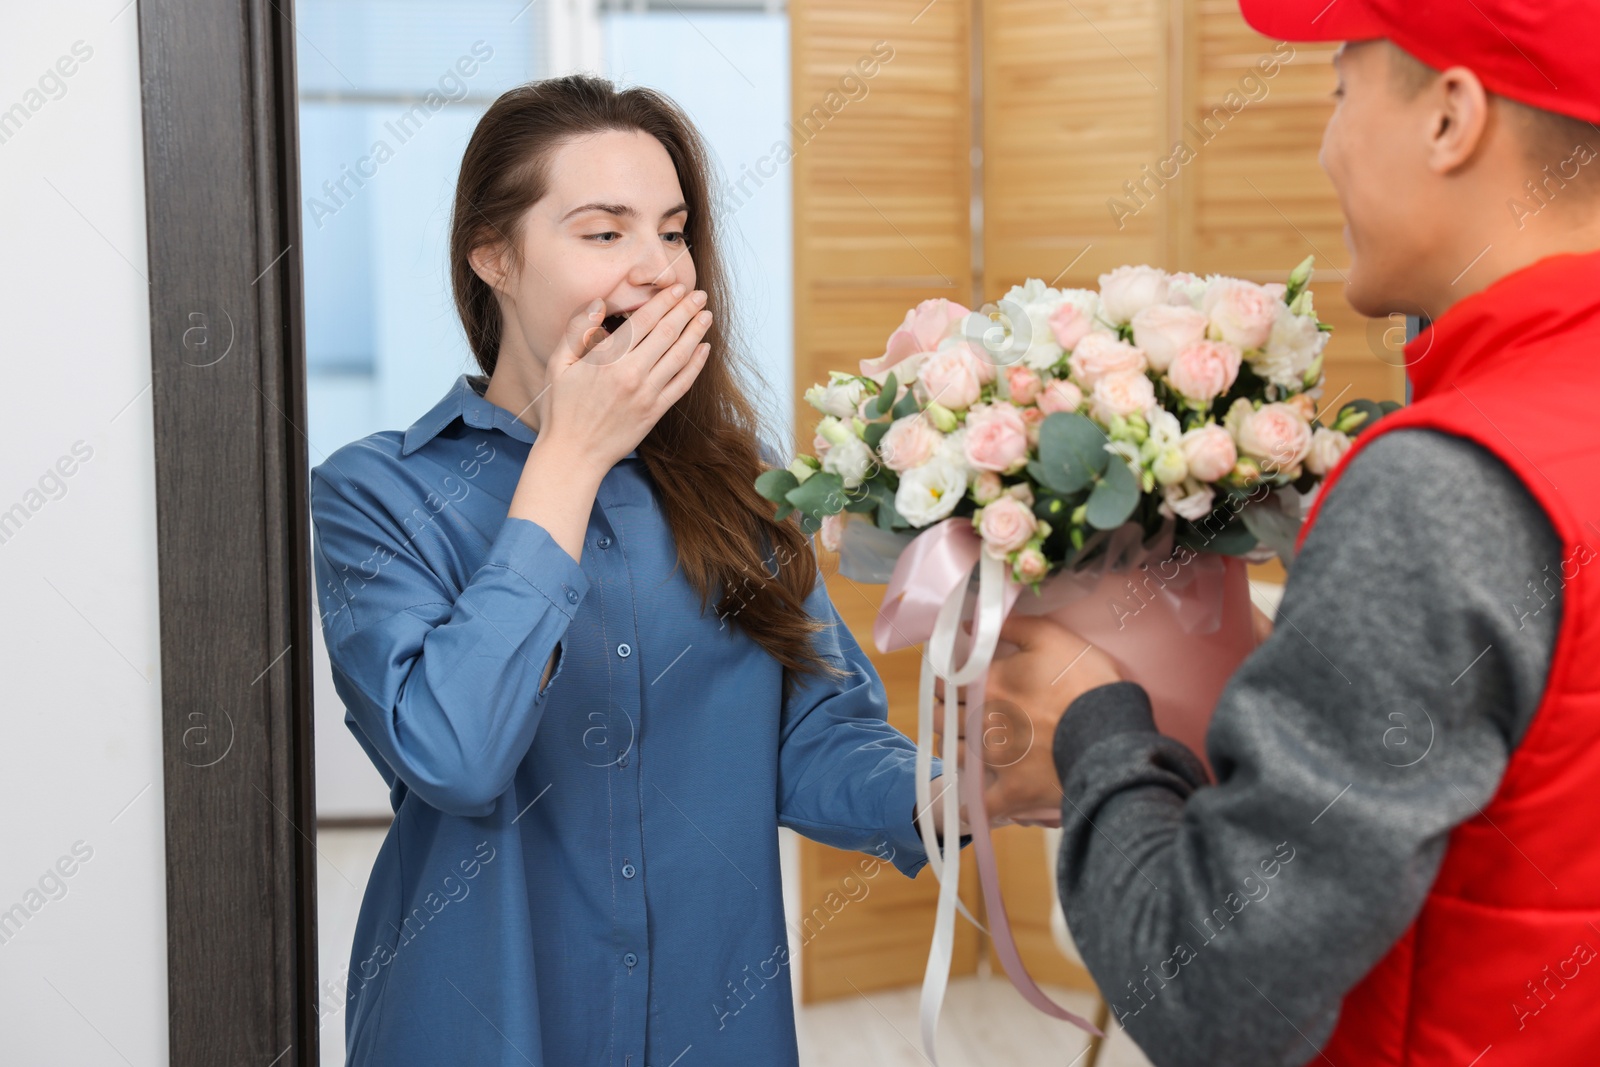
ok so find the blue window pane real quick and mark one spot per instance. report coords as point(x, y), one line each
point(414, 46)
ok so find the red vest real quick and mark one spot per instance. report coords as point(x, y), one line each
point(1505, 953)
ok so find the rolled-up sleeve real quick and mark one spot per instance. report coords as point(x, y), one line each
point(846, 777)
point(443, 685)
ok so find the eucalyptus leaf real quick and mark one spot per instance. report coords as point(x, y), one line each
point(907, 405)
point(885, 399)
point(874, 433)
point(776, 484)
point(1071, 452)
point(822, 494)
point(1232, 540)
point(1272, 526)
point(1114, 498)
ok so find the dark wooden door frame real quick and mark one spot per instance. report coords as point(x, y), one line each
point(217, 78)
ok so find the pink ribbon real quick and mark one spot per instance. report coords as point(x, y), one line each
point(941, 558)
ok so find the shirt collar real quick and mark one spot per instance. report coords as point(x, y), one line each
point(465, 401)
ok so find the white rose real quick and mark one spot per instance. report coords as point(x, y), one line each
point(1170, 467)
point(1164, 330)
point(1185, 289)
point(1165, 430)
point(1189, 500)
point(839, 398)
point(1042, 352)
point(930, 492)
point(850, 459)
point(1327, 448)
point(1127, 291)
point(1291, 348)
point(952, 451)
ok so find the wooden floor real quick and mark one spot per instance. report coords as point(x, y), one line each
point(985, 1022)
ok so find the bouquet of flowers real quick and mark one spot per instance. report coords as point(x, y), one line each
point(1061, 414)
point(1120, 453)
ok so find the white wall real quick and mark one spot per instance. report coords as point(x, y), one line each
point(83, 980)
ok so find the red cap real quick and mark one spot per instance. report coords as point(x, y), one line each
point(1538, 52)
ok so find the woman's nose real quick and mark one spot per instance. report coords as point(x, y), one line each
point(659, 265)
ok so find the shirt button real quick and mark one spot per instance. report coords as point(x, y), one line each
point(604, 542)
point(622, 760)
point(572, 596)
point(630, 959)
point(627, 870)
point(624, 651)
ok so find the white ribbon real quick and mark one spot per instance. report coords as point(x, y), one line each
point(938, 660)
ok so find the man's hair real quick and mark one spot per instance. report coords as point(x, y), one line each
point(1548, 136)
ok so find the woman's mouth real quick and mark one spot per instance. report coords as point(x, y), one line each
point(612, 323)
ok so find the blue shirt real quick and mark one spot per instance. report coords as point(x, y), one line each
point(585, 874)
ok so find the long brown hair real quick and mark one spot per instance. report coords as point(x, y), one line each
point(703, 454)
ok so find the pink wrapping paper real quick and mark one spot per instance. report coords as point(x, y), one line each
point(1182, 662)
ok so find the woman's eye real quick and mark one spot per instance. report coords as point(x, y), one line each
point(678, 234)
point(608, 233)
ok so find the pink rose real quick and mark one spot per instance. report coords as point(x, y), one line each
point(951, 378)
point(820, 446)
point(1031, 418)
point(1210, 452)
point(1127, 291)
point(909, 442)
point(1005, 526)
point(924, 327)
point(1124, 393)
point(986, 486)
point(1276, 290)
point(996, 438)
point(1071, 323)
point(1204, 371)
point(1243, 312)
point(1276, 435)
point(980, 359)
point(1060, 395)
point(1100, 354)
point(832, 530)
point(1023, 383)
point(1305, 404)
point(1164, 330)
point(1031, 566)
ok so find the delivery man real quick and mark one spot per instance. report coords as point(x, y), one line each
point(1398, 862)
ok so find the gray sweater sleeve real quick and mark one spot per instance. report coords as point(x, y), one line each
point(1225, 922)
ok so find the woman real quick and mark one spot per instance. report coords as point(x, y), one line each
point(595, 671)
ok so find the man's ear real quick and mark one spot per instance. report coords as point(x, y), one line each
point(1458, 121)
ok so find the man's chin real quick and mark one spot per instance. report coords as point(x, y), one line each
point(1376, 298)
